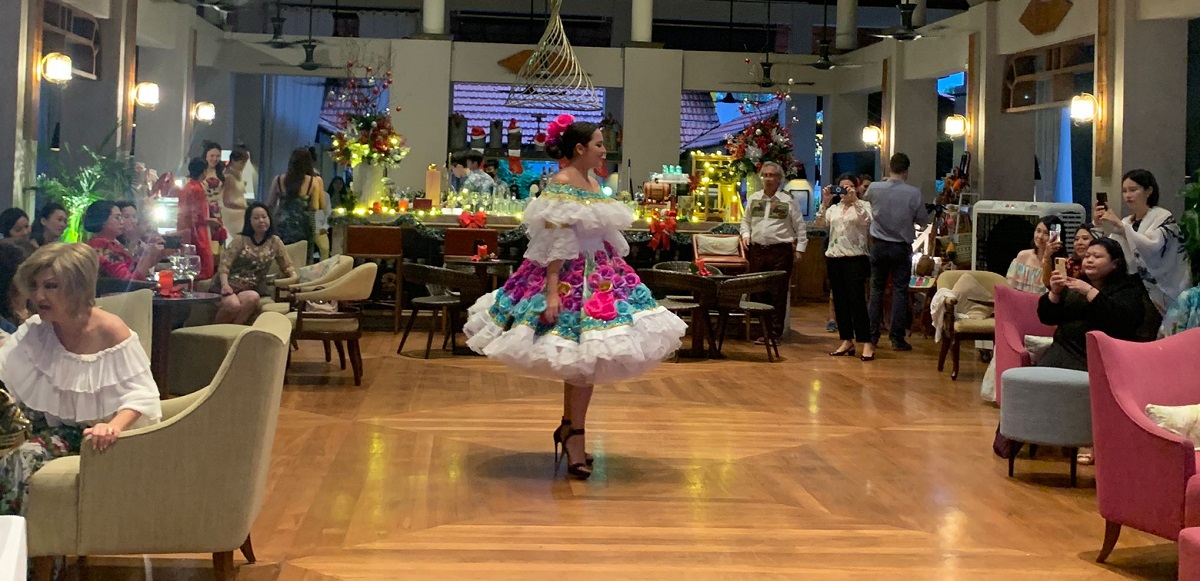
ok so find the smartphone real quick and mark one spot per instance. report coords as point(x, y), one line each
point(172, 242)
point(838, 192)
point(1102, 199)
point(1055, 233)
point(1060, 266)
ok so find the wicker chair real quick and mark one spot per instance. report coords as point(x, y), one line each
point(468, 287)
point(731, 297)
point(684, 267)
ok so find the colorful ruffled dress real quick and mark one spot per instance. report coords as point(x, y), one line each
point(609, 328)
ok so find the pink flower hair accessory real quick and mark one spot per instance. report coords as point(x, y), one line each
point(555, 129)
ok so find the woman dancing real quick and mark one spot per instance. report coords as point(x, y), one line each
point(574, 310)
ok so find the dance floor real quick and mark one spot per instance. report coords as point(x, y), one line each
point(813, 468)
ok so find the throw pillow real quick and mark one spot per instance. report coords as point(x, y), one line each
point(313, 272)
point(968, 288)
point(1183, 420)
point(717, 245)
point(1037, 346)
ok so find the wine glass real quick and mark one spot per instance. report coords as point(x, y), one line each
point(191, 268)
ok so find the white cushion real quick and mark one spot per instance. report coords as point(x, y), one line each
point(1037, 346)
point(968, 288)
point(1183, 419)
point(717, 245)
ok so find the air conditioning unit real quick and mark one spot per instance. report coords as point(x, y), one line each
point(1003, 229)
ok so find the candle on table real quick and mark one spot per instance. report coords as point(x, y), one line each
point(433, 185)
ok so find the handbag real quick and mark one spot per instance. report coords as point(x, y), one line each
point(14, 426)
point(323, 307)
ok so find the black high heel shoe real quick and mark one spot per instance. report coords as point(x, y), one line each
point(847, 353)
point(578, 470)
point(560, 436)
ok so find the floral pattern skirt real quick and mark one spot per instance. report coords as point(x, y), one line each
point(609, 327)
point(44, 444)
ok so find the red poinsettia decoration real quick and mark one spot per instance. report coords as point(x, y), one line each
point(661, 230)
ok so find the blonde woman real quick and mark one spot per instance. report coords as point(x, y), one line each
point(76, 371)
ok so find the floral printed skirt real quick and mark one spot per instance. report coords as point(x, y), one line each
point(45, 444)
point(608, 329)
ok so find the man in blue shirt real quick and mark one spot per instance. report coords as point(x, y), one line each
point(476, 183)
point(897, 208)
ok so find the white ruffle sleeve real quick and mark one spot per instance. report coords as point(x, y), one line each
point(558, 219)
point(78, 389)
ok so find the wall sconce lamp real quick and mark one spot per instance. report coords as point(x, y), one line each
point(956, 126)
point(204, 112)
point(872, 136)
point(57, 68)
point(1083, 108)
point(146, 95)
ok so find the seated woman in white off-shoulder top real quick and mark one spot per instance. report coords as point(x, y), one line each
point(75, 370)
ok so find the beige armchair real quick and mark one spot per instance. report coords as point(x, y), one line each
point(955, 330)
point(193, 483)
point(343, 325)
point(340, 266)
point(136, 309)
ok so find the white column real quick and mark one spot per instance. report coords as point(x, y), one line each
point(1149, 103)
point(912, 129)
point(845, 116)
point(653, 83)
point(643, 21)
point(160, 138)
point(919, 14)
point(424, 106)
point(1002, 162)
point(847, 25)
point(14, 64)
point(433, 17)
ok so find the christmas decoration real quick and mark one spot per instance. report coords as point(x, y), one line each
point(760, 142)
point(367, 135)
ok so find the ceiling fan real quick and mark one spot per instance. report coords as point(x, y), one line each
point(310, 48)
point(824, 62)
point(905, 32)
point(277, 40)
point(764, 80)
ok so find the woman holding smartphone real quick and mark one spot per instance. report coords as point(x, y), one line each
point(1150, 238)
point(1026, 272)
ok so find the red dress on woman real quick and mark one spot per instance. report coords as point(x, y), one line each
point(192, 224)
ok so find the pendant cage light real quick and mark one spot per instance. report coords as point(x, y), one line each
point(552, 78)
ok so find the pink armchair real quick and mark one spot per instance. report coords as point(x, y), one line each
point(1016, 317)
point(1145, 475)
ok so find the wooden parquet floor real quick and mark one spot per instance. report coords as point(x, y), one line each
point(813, 468)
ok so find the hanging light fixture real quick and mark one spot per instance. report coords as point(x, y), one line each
point(57, 68)
point(146, 95)
point(204, 112)
point(955, 126)
point(552, 77)
point(872, 136)
point(1083, 108)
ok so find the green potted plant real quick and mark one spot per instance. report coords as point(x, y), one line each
point(1189, 223)
point(103, 174)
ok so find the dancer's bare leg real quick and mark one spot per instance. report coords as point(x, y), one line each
point(577, 398)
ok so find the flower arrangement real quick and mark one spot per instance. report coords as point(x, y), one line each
point(760, 142)
point(367, 134)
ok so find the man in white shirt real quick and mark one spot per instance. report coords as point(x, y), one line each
point(773, 235)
